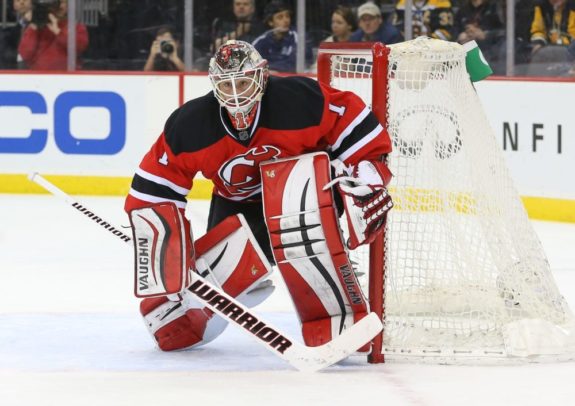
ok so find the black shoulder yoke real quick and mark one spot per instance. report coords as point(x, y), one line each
point(194, 125)
point(292, 103)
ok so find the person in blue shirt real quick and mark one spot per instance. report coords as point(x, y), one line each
point(373, 28)
point(279, 44)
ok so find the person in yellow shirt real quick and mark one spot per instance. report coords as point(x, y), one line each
point(553, 23)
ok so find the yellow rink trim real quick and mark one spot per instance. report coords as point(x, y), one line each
point(89, 185)
point(539, 208)
point(427, 200)
point(542, 208)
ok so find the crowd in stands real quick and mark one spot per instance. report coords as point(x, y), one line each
point(147, 34)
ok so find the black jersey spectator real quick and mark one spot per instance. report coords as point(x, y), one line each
point(432, 18)
point(479, 20)
point(242, 25)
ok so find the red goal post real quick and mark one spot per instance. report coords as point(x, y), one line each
point(378, 100)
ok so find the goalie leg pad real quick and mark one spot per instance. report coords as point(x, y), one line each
point(163, 247)
point(229, 256)
point(308, 246)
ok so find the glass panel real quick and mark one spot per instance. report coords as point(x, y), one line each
point(544, 38)
point(134, 34)
point(34, 35)
point(121, 33)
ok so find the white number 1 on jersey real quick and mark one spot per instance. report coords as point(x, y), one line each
point(164, 159)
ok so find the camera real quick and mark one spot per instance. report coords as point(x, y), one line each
point(41, 9)
point(166, 47)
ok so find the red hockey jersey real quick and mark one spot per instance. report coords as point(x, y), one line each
point(297, 115)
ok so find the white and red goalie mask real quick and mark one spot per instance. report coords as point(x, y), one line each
point(239, 76)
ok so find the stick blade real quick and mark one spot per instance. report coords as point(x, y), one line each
point(312, 359)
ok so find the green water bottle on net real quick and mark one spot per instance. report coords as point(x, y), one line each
point(477, 67)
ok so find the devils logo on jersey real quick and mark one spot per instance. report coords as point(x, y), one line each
point(241, 174)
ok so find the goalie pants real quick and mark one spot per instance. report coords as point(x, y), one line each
point(220, 208)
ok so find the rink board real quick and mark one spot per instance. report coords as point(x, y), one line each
point(88, 132)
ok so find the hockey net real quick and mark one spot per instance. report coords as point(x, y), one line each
point(460, 276)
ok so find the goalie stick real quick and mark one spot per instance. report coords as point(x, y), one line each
point(303, 358)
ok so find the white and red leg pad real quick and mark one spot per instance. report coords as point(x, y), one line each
point(164, 251)
point(229, 256)
point(308, 246)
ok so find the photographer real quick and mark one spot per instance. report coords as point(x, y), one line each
point(44, 43)
point(164, 53)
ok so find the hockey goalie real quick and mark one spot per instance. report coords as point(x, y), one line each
point(289, 158)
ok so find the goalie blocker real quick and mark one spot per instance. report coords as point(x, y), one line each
point(308, 246)
point(227, 256)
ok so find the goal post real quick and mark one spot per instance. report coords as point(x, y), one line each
point(372, 87)
point(459, 275)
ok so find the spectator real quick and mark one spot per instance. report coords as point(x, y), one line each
point(242, 26)
point(432, 18)
point(553, 23)
point(21, 7)
point(279, 44)
point(373, 28)
point(480, 21)
point(523, 18)
point(164, 53)
point(342, 25)
point(44, 44)
point(10, 37)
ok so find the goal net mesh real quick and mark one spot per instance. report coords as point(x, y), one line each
point(466, 277)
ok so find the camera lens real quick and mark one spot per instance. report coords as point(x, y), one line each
point(166, 47)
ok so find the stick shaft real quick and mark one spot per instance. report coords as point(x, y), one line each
point(50, 187)
point(59, 193)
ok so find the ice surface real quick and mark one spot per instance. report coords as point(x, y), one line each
point(70, 333)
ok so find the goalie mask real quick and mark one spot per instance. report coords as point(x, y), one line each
point(239, 75)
